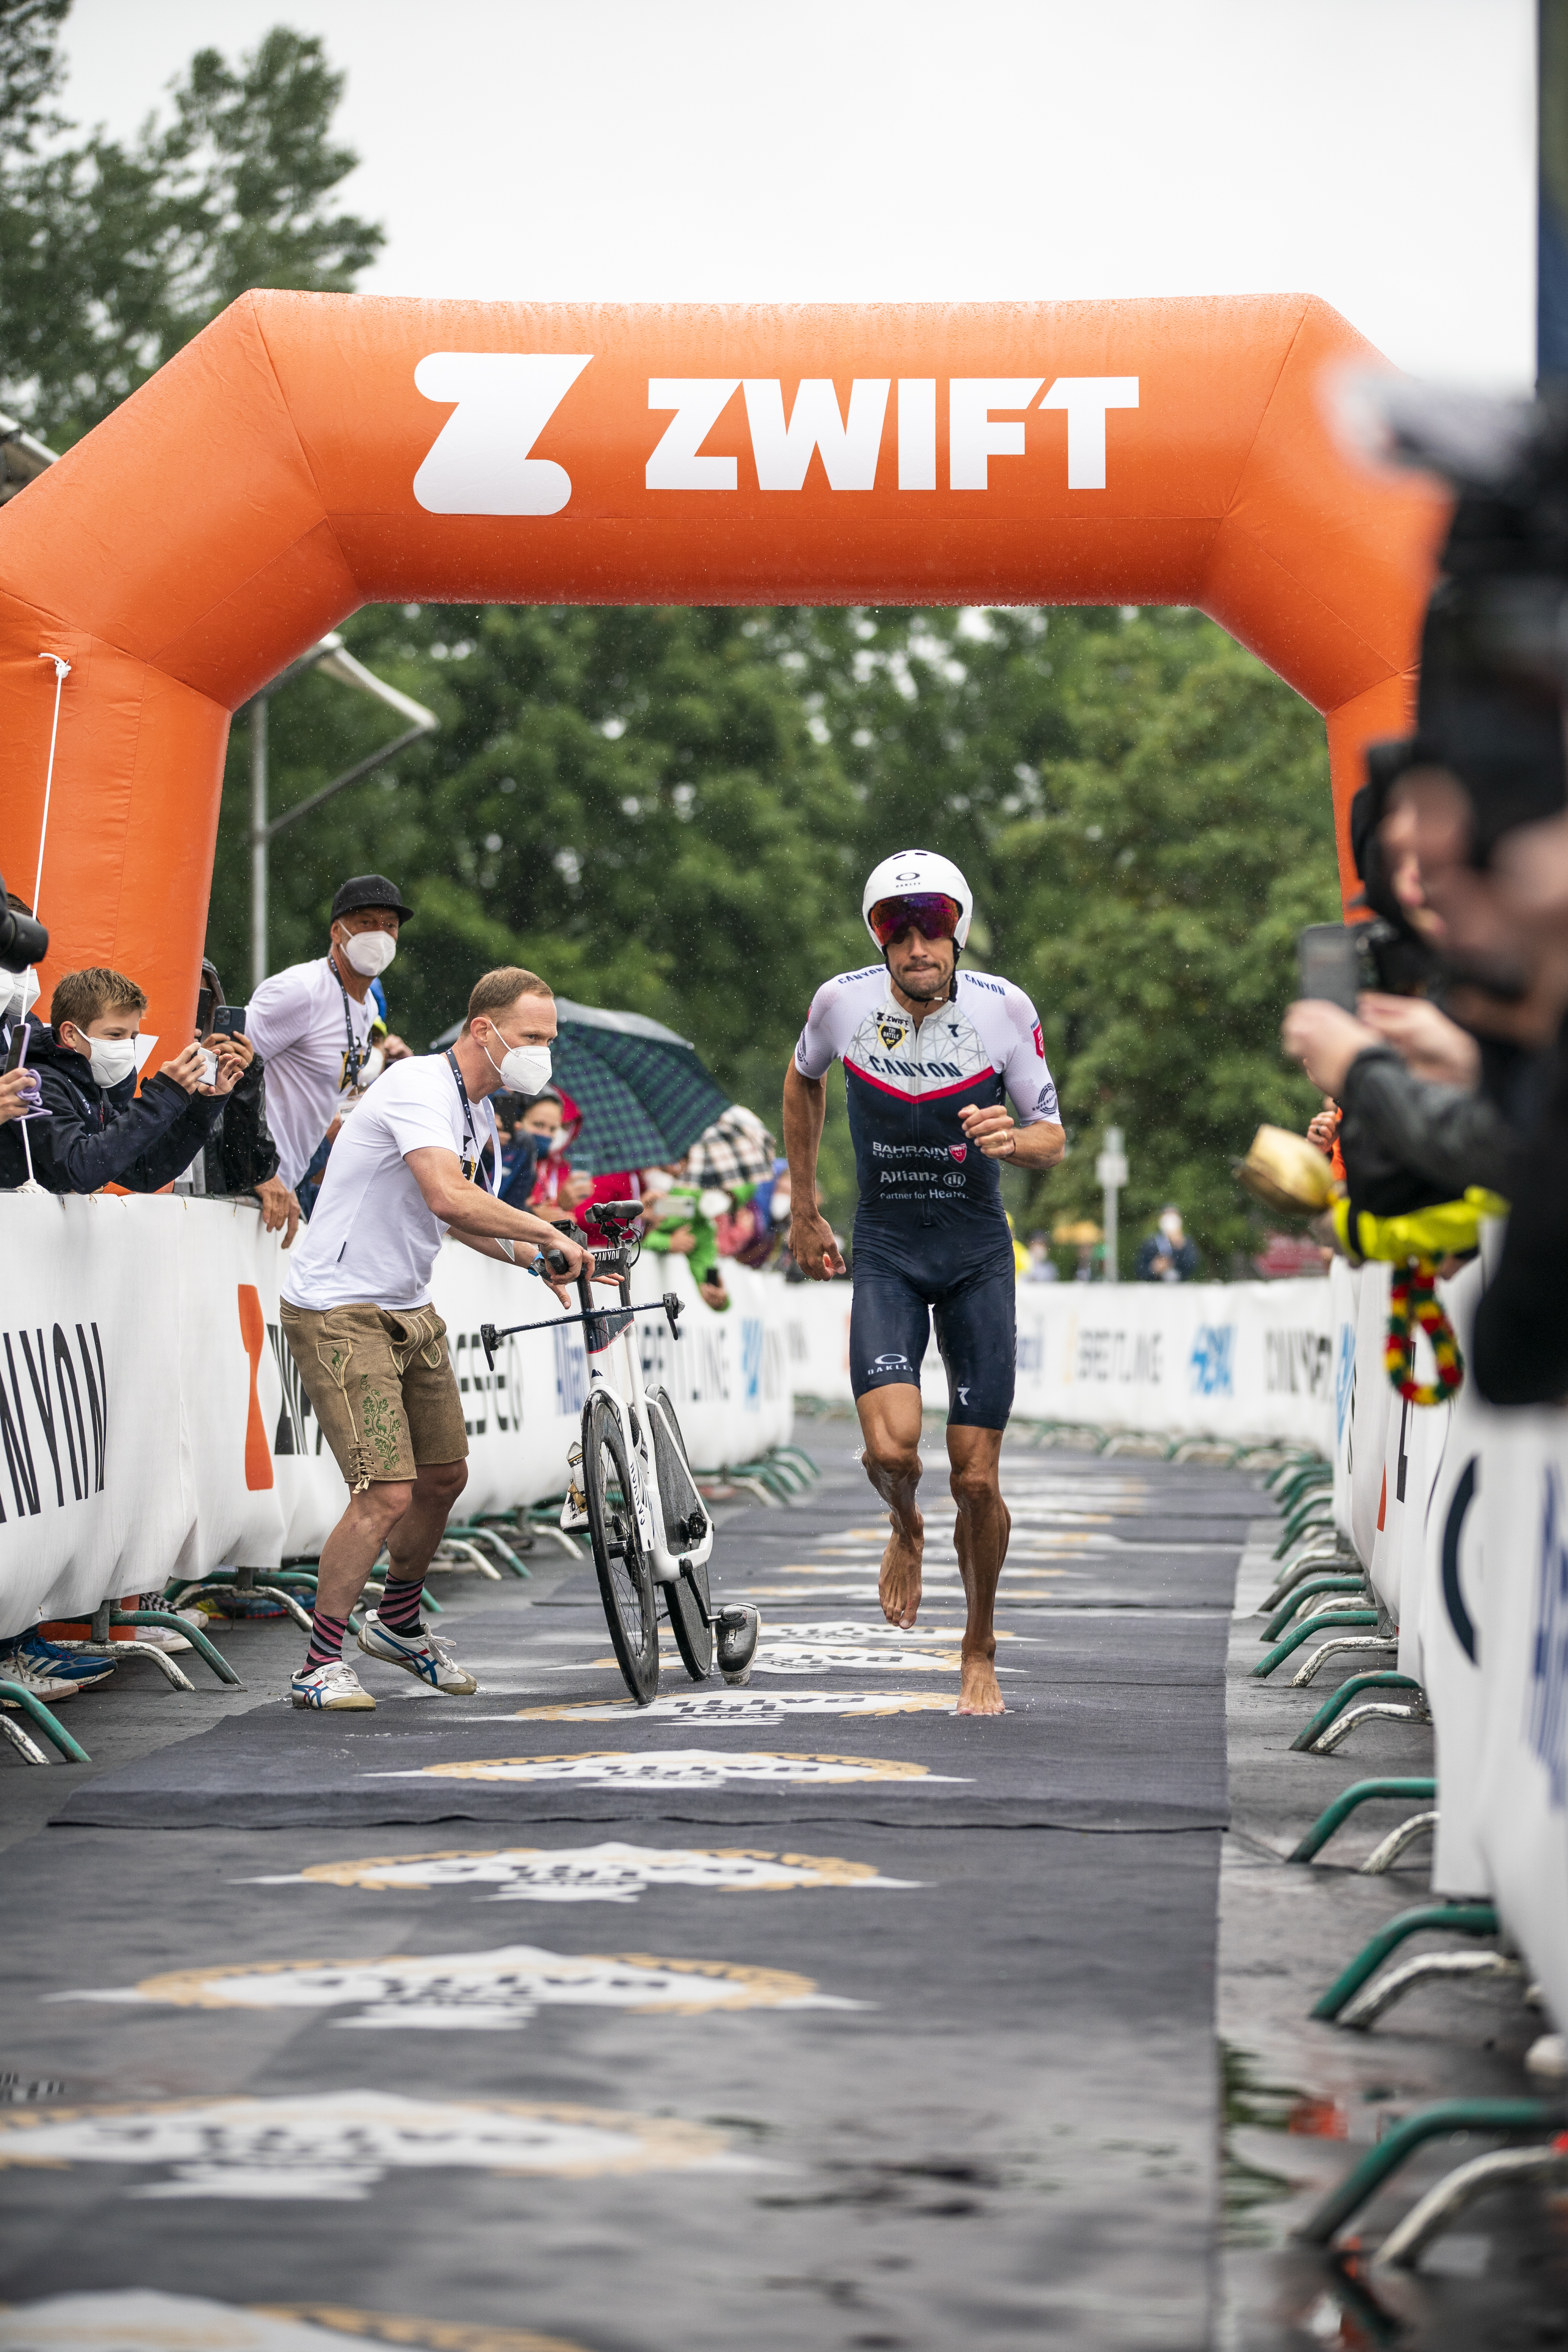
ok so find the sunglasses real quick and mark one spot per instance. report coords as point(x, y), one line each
point(933, 915)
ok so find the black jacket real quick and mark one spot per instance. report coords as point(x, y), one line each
point(241, 1152)
point(95, 1137)
point(1447, 1138)
point(1519, 1349)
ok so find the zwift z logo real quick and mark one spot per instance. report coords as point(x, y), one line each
point(1548, 1691)
point(479, 463)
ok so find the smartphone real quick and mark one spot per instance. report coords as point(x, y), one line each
point(229, 1019)
point(15, 1059)
point(203, 1011)
point(1328, 964)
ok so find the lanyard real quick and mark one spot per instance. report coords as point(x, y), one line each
point(356, 1058)
point(467, 1118)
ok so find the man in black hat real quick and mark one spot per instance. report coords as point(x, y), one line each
point(312, 1023)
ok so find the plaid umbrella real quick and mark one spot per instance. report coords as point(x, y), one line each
point(644, 1095)
point(736, 1150)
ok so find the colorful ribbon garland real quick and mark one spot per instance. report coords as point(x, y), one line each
point(1413, 1295)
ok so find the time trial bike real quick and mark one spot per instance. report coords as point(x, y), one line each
point(633, 1490)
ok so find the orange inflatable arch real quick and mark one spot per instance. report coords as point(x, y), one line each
point(309, 454)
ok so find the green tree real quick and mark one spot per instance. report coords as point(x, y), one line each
point(114, 254)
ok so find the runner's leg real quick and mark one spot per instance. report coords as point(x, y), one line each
point(889, 1324)
point(980, 1535)
point(976, 1330)
point(890, 1426)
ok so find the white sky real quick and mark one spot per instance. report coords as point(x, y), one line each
point(1377, 153)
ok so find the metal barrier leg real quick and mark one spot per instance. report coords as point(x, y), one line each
point(1450, 1918)
point(1379, 2163)
point(1344, 1805)
point(1431, 2214)
point(1385, 1709)
point(1347, 1691)
point(1342, 1642)
point(205, 1649)
point(1306, 1590)
point(1370, 2003)
point(1299, 1633)
point(1385, 1855)
point(47, 1723)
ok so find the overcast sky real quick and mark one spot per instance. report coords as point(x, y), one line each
point(1377, 153)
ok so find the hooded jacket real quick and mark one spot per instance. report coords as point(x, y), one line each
point(96, 1136)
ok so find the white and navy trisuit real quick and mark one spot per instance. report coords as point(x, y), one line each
point(930, 1231)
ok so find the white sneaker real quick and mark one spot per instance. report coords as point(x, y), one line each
point(334, 1685)
point(429, 1657)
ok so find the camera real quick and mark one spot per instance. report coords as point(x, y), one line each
point(22, 941)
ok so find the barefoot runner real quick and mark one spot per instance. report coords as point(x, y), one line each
point(928, 1055)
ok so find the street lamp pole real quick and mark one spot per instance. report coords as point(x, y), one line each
point(334, 661)
point(259, 841)
point(1111, 1171)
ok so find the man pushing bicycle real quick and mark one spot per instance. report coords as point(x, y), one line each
point(931, 1056)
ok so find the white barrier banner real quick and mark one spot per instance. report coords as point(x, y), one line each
point(153, 1423)
point(1345, 1309)
point(1522, 1808)
point(1446, 1601)
point(1220, 1360)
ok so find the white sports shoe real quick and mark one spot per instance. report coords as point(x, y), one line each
point(335, 1685)
point(429, 1657)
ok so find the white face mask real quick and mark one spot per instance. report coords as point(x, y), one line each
point(24, 991)
point(522, 1070)
point(370, 952)
point(113, 1058)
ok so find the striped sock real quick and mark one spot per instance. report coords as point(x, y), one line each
point(398, 1608)
point(326, 1640)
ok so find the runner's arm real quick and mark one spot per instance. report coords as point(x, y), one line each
point(810, 1235)
point(1040, 1141)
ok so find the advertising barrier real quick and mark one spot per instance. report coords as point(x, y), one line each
point(153, 1424)
point(1198, 1359)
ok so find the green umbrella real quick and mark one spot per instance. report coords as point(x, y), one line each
point(644, 1095)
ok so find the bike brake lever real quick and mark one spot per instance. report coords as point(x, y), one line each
point(488, 1342)
point(673, 1303)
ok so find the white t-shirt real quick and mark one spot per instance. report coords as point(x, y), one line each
point(370, 1240)
point(296, 1024)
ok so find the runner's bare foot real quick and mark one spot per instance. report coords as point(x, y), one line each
point(978, 1692)
point(898, 1585)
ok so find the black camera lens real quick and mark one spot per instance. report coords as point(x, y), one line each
point(22, 941)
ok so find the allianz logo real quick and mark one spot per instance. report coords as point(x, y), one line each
point(481, 460)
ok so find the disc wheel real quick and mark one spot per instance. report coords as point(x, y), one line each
point(626, 1583)
point(678, 1492)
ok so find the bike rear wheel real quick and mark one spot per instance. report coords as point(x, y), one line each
point(678, 1494)
point(626, 1583)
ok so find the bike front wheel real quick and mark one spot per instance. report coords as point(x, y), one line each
point(682, 1503)
point(626, 1580)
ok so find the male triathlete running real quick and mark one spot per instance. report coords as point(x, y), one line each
point(929, 1054)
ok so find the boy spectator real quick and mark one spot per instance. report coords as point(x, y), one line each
point(1168, 1256)
point(100, 1130)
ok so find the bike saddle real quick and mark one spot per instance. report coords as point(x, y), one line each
point(737, 1631)
point(616, 1213)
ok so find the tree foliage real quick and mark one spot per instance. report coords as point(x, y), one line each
point(113, 254)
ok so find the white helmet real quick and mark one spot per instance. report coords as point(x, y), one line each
point(915, 873)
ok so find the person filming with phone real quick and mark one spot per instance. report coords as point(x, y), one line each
point(91, 1127)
